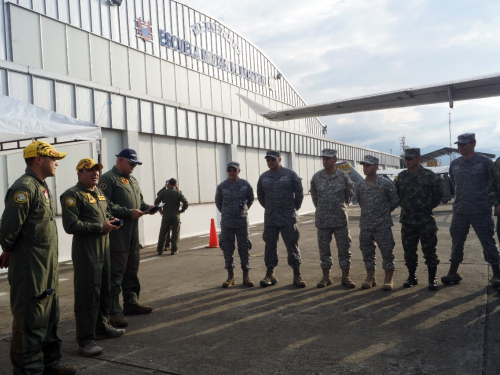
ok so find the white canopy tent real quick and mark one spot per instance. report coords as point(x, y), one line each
point(22, 121)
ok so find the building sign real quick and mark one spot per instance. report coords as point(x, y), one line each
point(143, 30)
point(214, 27)
point(183, 46)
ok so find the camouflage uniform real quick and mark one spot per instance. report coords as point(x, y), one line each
point(377, 201)
point(233, 199)
point(331, 194)
point(281, 195)
point(419, 193)
point(472, 206)
point(494, 190)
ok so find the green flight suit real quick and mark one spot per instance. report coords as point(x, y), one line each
point(82, 211)
point(171, 217)
point(29, 232)
point(123, 195)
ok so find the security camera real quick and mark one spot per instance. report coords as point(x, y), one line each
point(116, 2)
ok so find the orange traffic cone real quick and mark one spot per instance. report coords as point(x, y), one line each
point(214, 239)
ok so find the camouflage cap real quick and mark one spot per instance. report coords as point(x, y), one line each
point(369, 159)
point(329, 153)
point(466, 138)
point(87, 163)
point(39, 148)
point(273, 154)
point(233, 164)
point(412, 153)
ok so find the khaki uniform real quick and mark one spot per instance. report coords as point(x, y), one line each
point(29, 232)
point(82, 212)
point(171, 217)
point(123, 195)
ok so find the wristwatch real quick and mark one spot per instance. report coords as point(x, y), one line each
point(100, 227)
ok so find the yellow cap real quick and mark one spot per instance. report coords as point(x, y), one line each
point(87, 163)
point(39, 148)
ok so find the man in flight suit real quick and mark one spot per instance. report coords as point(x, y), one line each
point(87, 217)
point(171, 215)
point(125, 199)
point(28, 236)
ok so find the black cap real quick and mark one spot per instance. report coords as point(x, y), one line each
point(273, 154)
point(129, 154)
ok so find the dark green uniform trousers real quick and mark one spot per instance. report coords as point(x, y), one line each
point(426, 234)
point(170, 220)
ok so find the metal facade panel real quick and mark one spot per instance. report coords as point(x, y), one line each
point(112, 144)
point(182, 129)
point(235, 101)
point(267, 138)
point(85, 15)
point(194, 88)
point(245, 111)
point(74, 14)
point(26, 40)
point(114, 14)
point(137, 71)
point(211, 130)
point(226, 97)
point(118, 119)
point(153, 76)
point(84, 104)
point(187, 169)
point(54, 46)
point(221, 157)
point(105, 19)
point(4, 83)
point(171, 121)
point(192, 125)
point(207, 171)
point(168, 80)
point(128, 19)
point(159, 119)
point(100, 59)
point(219, 129)
point(164, 149)
point(154, 17)
point(253, 172)
point(241, 158)
point(119, 66)
point(216, 94)
point(43, 93)
point(243, 134)
point(78, 53)
point(181, 84)
point(249, 137)
point(3, 46)
point(202, 126)
point(206, 92)
point(20, 87)
point(63, 10)
point(102, 109)
point(133, 114)
point(146, 171)
point(227, 131)
point(95, 14)
point(146, 117)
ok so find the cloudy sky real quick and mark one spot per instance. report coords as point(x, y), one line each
point(331, 50)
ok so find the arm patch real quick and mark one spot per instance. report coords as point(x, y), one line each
point(21, 197)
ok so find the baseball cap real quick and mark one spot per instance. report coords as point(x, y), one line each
point(129, 154)
point(87, 163)
point(39, 148)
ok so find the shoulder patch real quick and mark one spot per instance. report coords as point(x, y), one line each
point(70, 202)
point(103, 186)
point(124, 180)
point(21, 197)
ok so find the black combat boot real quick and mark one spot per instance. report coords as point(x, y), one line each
point(412, 277)
point(495, 279)
point(453, 276)
point(432, 278)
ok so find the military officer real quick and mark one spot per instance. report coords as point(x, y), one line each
point(125, 199)
point(494, 193)
point(331, 192)
point(470, 175)
point(420, 191)
point(377, 197)
point(87, 217)
point(233, 198)
point(172, 198)
point(28, 236)
point(280, 192)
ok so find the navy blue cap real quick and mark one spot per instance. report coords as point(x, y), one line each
point(129, 154)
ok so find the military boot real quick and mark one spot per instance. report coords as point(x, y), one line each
point(412, 278)
point(495, 279)
point(370, 279)
point(433, 284)
point(297, 278)
point(327, 278)
point(132, 306)
point(111, 333)
point(89, 349)
point(60, 370)
point(388, 285)
point(346, 280)
point(118, 320)
point(269, 279)
point(230, 279)
point(453, 276)
point(247, 281)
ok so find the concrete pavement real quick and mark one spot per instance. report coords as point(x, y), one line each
point(199, 328)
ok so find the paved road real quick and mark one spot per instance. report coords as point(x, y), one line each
point(199, 328)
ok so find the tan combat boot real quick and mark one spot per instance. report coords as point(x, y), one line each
point(118, 320)
point(269, 279)
point(388, 285)
point(370, 280)
point(495, 279)
point(230, 279)
point(297, 278)
point(246, 279)
point(327, 278)
point(346, 281)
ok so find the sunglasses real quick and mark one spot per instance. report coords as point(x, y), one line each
point(268, 159)
point(132, 164)
point(408, 159)
point(231, 170)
